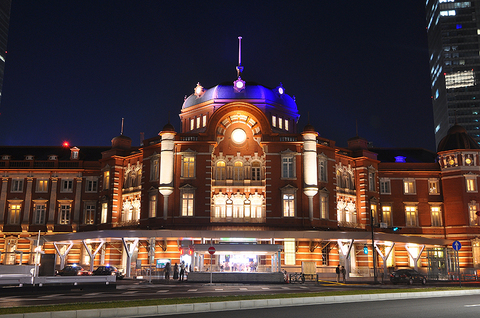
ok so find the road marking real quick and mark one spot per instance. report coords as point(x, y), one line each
point(51, 296)
point(192, 290)
point(218, 289)
point(243, 288)
point(265, 288)
point(130, 292)
point(477, 305)
point(92, 294)
point(285, 287)
point(303, 287)
point(162, 291)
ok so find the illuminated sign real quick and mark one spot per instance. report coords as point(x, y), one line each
point(459, 79)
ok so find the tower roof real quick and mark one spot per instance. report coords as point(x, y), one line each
point(457, 138)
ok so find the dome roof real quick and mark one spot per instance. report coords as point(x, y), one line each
point(252, 91)
point(122, 142)
point(168, 127)
point(309, 128)
point(457, 138)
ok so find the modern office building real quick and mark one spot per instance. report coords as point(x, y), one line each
point(4, 22)
point(453, 28)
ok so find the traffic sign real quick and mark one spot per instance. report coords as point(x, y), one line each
point(211, 250)
point(457, 245)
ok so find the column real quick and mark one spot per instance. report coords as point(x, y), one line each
point(310, 174)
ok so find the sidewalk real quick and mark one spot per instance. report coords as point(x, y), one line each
point(236, 305)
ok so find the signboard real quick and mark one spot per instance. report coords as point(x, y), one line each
point(162, 262)
point(457, 245)
point(211, 250)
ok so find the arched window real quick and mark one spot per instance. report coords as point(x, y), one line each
point(220, 172)
point(238, 171)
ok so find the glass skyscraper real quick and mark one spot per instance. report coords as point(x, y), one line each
point(453, 39)
point(4, 22)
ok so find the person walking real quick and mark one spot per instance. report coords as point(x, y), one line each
point(343, 274)
point(337, 271)
point(182, 270)
point(168, 269)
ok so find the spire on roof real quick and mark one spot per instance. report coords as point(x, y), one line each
point(239, 67)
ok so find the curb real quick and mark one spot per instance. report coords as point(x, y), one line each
point(144, 311)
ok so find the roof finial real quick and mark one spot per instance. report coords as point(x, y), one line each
point(308, 117)
point(121, 131)
point(239, 67)
point(356, 127)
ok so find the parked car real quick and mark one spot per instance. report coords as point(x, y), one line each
point(108, 270)
point(73, 270)
point(408, 276)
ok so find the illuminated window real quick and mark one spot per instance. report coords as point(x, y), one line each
point(280, 123)
point(373, 212)
point(286, 125)
point(472, 211)
point(322, 169)
point(433, 186)
point(324, 205)
point(106, 180)
point(288, 205)
point(42, 185)
point(188, 166)
point(409, 186)
point(204, 120)
point(371, 180)
point(471, 182)
point(14, 213)
point(39, 213)
point(289, 251)
point(384, 186)
point(387, 215)
point(152, 210)
point(274, 121)
point(67, 186)
point(192, 124)
point(64, 213)
point(238, 171)
point(187, 204)
point(436, 216)
point(198, 122)
point(410, 216)
point(17, 185)
point(155, 169)
point(220, 172)
point(103, 216)
point(89, 213)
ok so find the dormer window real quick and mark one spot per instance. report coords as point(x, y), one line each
point(52, 157)
point(29, 157)
point(74, 153)
point(6, 157)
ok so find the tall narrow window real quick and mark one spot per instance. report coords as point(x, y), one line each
point(103, 217)
point(322, 169)
point(187, 204)
point(220, 171)
point(387, 215)
point(192, 124)
point(471, 181)
point(106, 180)
point(155, 169)
point(409, 186)
point(280, 123)
point(238, 171)
point(289, 251)
point(472, 211)
point(89, 213)
point(288, 170)
point(323, 206)
point(204, 120)
point(274, 121)
point(188, 167)
point(286, 125)
point(411, 216)
point(198, 122)
point(14, 211)
point(39, 217)
point(64, 214)
point(436, 216)
point(17, 185)
point(288, 205)
point(152, 210)
point(91, 186)
point(371, 181)
point(256, 171)
point(433, 186)
point(67, 186)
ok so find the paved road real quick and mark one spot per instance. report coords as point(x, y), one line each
point(464, 306)
point(132, 289)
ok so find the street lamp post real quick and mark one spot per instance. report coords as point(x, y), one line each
point(373, 248)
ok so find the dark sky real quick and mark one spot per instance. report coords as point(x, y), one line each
point(75, 68)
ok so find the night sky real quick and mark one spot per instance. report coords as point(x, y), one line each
point(75, 68)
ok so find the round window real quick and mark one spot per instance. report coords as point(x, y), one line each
point(239, 136)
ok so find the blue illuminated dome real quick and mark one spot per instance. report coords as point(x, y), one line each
point(253, 93)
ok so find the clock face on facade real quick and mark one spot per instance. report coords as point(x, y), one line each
point(239, 136)
point(468, 161)
point(451, 162)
